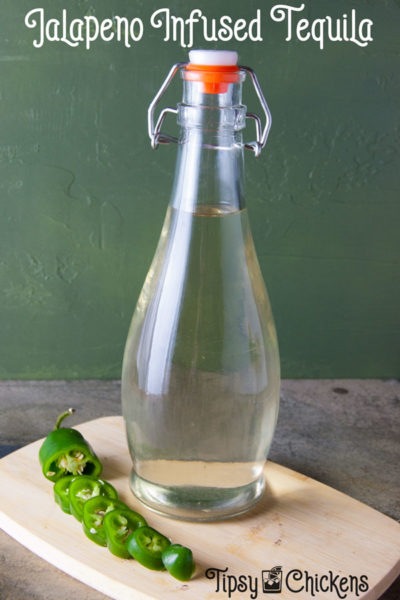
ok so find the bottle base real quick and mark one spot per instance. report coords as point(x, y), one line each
point(195, 503)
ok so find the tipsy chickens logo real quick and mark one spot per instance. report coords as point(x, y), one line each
point(274, 581)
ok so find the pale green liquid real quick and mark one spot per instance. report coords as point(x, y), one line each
point(200, 384)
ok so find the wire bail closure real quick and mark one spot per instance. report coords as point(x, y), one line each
point(154, 129)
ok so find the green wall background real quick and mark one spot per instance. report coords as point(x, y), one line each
point(83, 197)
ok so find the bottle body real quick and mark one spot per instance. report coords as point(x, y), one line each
point(201, 378)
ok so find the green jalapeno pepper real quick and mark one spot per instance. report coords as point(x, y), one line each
point(61, 490)
point(146, 545)
point(179, 562)
point(83, 488)
point(94, 511)
point(66, 452)
point(118, 525)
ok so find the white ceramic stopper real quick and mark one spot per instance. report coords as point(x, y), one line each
point(213, 57)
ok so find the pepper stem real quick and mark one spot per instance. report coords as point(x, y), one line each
point(61, 418)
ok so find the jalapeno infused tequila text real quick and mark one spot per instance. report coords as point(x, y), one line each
point(196, 27)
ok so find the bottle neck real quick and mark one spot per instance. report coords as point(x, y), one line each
point(209, 174)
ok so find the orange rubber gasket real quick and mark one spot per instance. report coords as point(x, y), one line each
point(215, 78)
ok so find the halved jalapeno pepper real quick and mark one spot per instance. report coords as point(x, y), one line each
point(84, 488)
point(178, 560)
point(146, 545)
point(61, 492)
point(66, 452)
point(94, 511)
point(118, 525)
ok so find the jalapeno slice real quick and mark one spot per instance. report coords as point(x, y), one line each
point(118, 525)
point(146, 545)
point(66, 452)
point(84, 488)
point(61, 492)
point(94, 511)
point(178, 560)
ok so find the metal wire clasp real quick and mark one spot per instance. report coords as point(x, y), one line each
point(154, 129)
point(262, 134)
point(156, 137)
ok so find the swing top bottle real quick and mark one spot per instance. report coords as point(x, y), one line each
point(200, 382)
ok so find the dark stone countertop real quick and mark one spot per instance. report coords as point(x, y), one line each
point(344, 433)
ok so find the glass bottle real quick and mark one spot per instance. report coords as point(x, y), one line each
point(201, 376)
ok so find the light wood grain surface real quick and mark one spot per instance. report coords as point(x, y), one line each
point(299, 524)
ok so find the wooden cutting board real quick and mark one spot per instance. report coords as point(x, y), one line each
point(300, 525)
